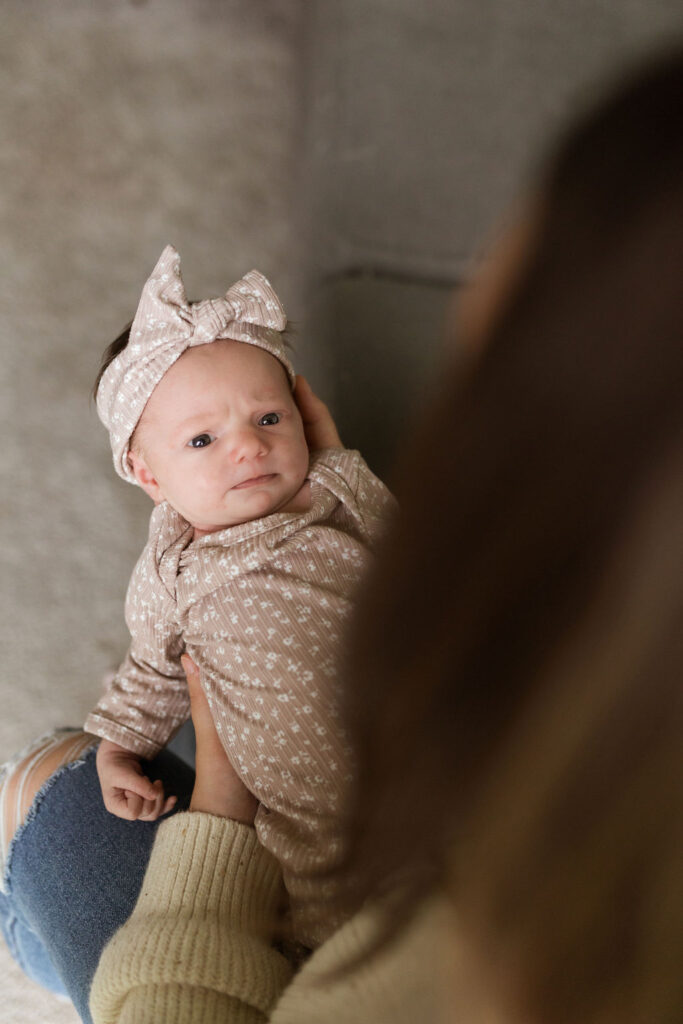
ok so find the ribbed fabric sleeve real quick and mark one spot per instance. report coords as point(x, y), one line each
point(197, 946)
point(152, 686)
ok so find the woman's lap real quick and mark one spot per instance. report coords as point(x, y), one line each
point(74, 872)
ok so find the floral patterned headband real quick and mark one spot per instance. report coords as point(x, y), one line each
point(165, 325)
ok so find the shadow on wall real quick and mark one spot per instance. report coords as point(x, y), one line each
point(422, 124)
point(386, 340)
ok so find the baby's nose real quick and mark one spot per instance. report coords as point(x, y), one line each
point(247, 444)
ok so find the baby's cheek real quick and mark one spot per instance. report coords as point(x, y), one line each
point(302, 458)
point(212, 481)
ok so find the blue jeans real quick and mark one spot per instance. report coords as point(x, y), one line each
point(73, 875)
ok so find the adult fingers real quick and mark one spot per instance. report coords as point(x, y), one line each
point(319, 426)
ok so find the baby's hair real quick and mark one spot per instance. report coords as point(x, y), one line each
point(110, 353)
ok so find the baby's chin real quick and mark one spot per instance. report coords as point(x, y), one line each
point(300, 501)
point(297, 501)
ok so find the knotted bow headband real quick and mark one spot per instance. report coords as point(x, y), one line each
point(165, 325)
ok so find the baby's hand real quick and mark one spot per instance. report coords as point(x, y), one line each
point(126, 791)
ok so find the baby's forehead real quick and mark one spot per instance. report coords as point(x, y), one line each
point(212, 374)
point(235, 360)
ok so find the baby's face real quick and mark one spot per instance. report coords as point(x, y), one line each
point(221, 437)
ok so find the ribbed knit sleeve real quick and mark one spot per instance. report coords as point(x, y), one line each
point(147, 700)
point(197, 948)
point(144, 705)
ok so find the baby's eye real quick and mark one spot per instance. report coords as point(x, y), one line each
point(200, 441)
point(269, 420)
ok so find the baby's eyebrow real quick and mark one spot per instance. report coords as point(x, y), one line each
point(192, 423)
point(199, 417)
point(266, 396)
point(206, 415)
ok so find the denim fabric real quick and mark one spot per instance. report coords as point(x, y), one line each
point(73, 875)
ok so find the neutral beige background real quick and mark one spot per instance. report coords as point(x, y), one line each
point(124, 126)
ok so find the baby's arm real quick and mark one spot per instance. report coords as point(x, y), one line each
point(126, 790)
point(146, 702)
point(135, 718)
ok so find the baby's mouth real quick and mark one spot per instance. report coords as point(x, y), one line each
point(254, 481)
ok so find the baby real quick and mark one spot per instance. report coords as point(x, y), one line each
point(254, 551)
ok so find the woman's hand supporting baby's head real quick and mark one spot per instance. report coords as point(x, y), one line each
point(319, 426)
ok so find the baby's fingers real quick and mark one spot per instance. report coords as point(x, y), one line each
point(153, 809)
point(149, 810)
point(170, 804)
point(123, 803)
point(150, 804)
point(126, 804)
point(138, 807)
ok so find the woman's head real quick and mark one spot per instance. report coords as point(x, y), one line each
point(505, 738)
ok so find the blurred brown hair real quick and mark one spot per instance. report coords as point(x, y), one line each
point(514, 669)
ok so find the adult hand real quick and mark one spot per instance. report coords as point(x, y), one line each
point(319, 426)
point(218, 788)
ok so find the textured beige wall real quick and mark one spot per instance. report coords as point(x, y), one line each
point(123, 126)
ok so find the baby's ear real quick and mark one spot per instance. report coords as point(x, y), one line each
point(144, 476)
